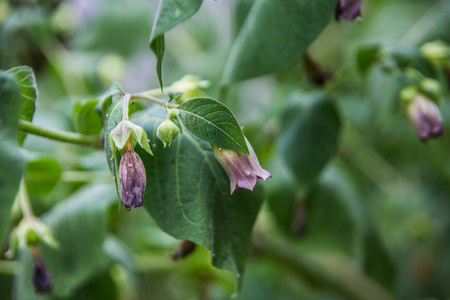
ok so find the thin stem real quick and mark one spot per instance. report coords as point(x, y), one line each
point(60, 135)
point(151, 98)
point(126, 103)
point(24, 201)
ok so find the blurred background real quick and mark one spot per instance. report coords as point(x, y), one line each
point(376, 221)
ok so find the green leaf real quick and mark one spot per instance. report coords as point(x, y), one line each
point(188, 195)
point(79, 224)
point(11, 162)
point(282, 193)
point(28, 90)
point(309, 134)
point(87, 117)
point(366, 56)
point(170, 13)
point(213, 122)
point(112, 116)
point(334, 200)
point(41, 175)
point(275, 35)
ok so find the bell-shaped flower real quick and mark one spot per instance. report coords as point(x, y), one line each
point(132, 178)
point(348, 9)
point(243, 170)
point(426, 117)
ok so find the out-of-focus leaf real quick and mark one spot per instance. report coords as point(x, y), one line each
point(188, 194)
point(366, 56)
point(377, 263)
point(41, 175)
point(334, 213)
point(87, 118)
point(170, 13)
point(281, 195)
point(213, 122)
point(11, 160)
point(79, 225)
point(275, 36)
point(309, 134)
point(28, 90)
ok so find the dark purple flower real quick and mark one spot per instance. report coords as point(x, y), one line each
point(243, 170)
point(348, 9)
point(132, 178)
point(41, 277)
point(426, 117)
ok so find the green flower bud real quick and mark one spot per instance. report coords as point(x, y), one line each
point(30, 232)
point(431, 88)
point(190, 86)
point(167, 131)
point(436, 51)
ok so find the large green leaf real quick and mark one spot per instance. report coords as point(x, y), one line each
point(275, 35)
point(213, 122)
point(86, 116)
point(79, 224)
point(169, 14)
point(309, 135)
point(334, 216)
point(41, 175)
point(188, 194)
point(11, 162)
point(28, 90)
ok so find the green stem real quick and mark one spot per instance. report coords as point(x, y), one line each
point(24, 201)
point(151, 98)
point(60, 135)
point(153, 93)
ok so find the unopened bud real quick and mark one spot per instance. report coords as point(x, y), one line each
point(436, 51)
point(132, 178)
point(41, 279)
point(167, 131)
point(426, 117)
point(191, 86)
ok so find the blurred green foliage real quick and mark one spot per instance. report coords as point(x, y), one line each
point(373, 223)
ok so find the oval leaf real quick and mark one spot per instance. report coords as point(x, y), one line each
point(169, 14)
point(28, 91)
point(310, 133)
point(213, 122)
point(275, 35)
point(11, 162)
point(188, 194)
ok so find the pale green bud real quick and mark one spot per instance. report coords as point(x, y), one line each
point(191, 86)
point(437, 51)
point(167, 131)
point(29, 233)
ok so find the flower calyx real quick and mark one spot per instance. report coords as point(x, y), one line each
point(126, 131)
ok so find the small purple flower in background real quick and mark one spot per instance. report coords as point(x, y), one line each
point(349, 10)
point(426, 117)
point(41, 277)
point(243, 170)
point(132, 178)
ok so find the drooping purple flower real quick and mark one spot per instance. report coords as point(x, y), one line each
point(426, 117)
point(348, 9)
point(243, 170)
point(41, 277)
point(132, 178)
